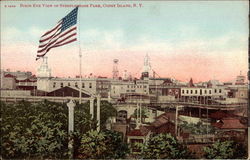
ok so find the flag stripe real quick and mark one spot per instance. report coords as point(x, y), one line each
point(74, 34)
point(62, 44)
point(51, 36)
point(56, 42)
point(56, 36)
point(56, 39)
point(75, 39)
point(52, 30)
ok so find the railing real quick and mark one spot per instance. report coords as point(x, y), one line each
point(41, 98)
point(144, 101)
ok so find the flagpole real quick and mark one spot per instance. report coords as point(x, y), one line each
point(80, 60)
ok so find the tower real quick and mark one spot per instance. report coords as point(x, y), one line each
point(240, 79)
point(43, 75)
point(44, 70)
point(125, 75)
point(115, 69)
point(147, 70)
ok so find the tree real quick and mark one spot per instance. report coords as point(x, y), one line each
point(40, 130)
point(34, 130)
point(198, 128)
point(144, 113)
point(92, 145)
point(102, 145)
point(137, 150)
point(225, 150)
point(84, 123)
point(117, 149)
point(107, 111)
point(165, 146)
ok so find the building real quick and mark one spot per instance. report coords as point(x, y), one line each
point(231, 128)
point(67, 91)
point(122, 88)
point(8, 82)
point(202, 95)
point(18, 80)
point(47, 83)
point(240, 79)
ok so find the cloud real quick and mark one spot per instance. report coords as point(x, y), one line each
point(98, 40)
point(36, 32)
point(17, 36)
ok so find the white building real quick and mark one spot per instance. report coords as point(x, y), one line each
point(44, 76)
point(193, 91)
point(129, 87)
point(45, 82)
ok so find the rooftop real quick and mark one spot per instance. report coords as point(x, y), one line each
point(229, 123)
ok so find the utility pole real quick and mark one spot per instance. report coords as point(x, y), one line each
point(140, 114)
point(71, 106)
point(137, 116)
point(176, 120)
point(109, 96)
point(91, 107)
point(98, 112)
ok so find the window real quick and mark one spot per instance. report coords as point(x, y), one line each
point(128, 86)
point(68, 84)
point(191, 91)
point(205, 91)
point(90, 85)
point(61, 85)
point(187, 91)
point(145, 86)
point(54, 85)
point(183, 91)
point(196, 91)
point(76, 85)
point(219, 90)
point(210, 92)
point(83, 85)
point(215, 90)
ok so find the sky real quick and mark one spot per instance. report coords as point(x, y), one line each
point(199, 39)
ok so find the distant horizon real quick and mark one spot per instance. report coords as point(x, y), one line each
point(110, 77)
point(199, 40)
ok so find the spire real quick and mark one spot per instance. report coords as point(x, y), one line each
point(147, 65)
point(45, 60)
point(147, 61)
point(191, 84)
point(44, 70)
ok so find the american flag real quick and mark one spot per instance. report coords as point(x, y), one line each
point(63, 33)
